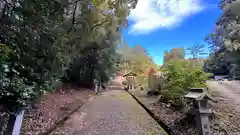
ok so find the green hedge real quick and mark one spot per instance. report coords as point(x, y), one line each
point(179, 77)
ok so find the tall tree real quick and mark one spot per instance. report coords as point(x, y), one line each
point(196, 50)
point(174, 54)
point(225, 40)
point(136, 59)
point(40, 40)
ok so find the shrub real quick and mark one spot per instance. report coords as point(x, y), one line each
point(31, 60)
point(179, 77)
point(142, 80)
point(20, 84)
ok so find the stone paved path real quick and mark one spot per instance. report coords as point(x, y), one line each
point(114, 112)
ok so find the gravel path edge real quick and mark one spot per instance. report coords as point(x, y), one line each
point(66, 117)
point(160, 122)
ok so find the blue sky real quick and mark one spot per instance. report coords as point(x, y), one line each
point(159, 25)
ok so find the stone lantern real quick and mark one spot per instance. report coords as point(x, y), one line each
point(97, 86)
point(200, 98)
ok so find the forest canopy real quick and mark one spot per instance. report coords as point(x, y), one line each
point(224, 42)
point(46, 42)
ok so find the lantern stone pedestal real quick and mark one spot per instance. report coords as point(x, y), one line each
point(200, 98)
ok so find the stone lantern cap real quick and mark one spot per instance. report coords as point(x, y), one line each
point(197, 94)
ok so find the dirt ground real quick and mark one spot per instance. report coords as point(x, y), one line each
point(229, 90)
point(225, 121)
point(52, 108)
point(168, 115)
point(226, 107)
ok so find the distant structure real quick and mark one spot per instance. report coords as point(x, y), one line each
point(218, 77)
point(131, 80)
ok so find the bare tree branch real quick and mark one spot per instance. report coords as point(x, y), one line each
point(73, 17)
point(98, 24)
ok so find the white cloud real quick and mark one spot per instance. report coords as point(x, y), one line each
point(152, 14)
